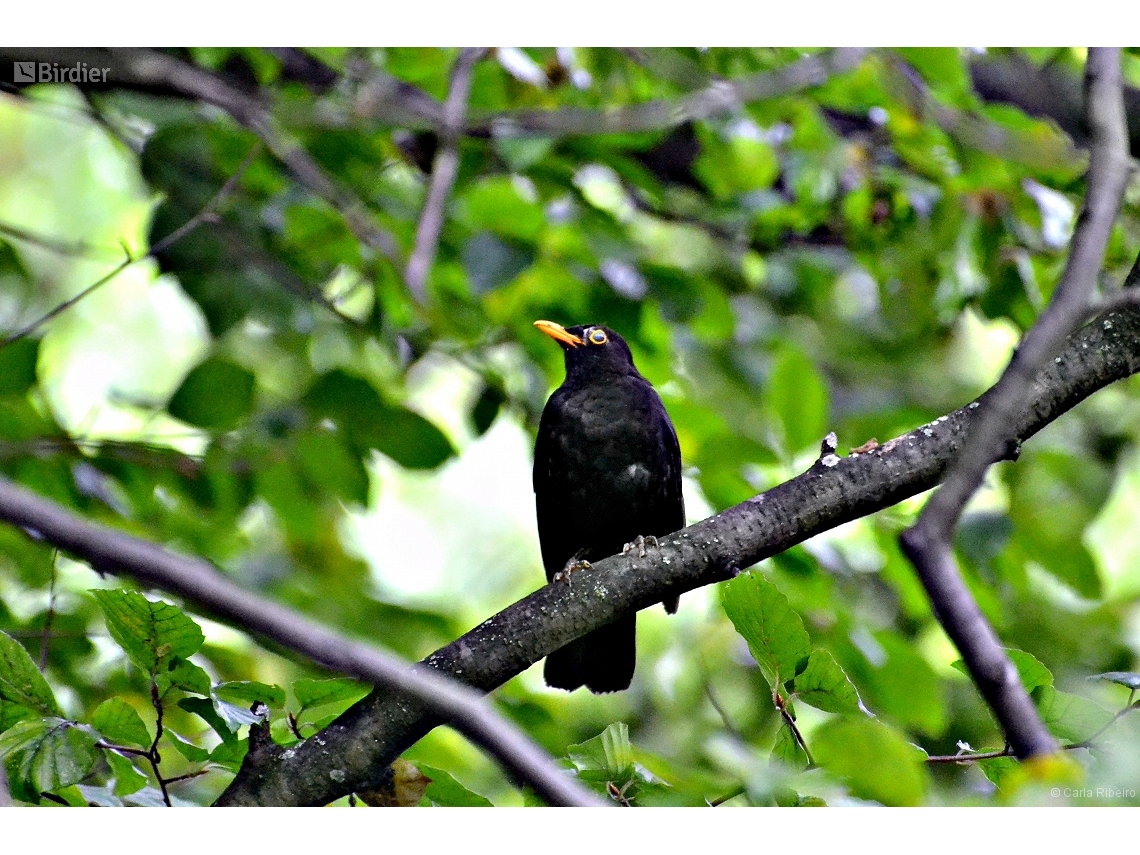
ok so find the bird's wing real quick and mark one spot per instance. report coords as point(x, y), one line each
point(673, 491)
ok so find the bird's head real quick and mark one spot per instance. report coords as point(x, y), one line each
point(591, 350)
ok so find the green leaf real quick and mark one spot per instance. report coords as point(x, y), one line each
point(875, 761)
point(486, 408)
point(325, 460)
point(370, 422)
point(896, 681)
point(120, 723)
point(796, 395)
point(229, 755)
point(774, 632)
point(49, 753)
point(823, 685)
point(247, 692)
point(187, 749)
point(1131, 679)
point(185, 675)
point(18, 366)
point(787, 749)
point(151, 633)
point(1029, 669)
point(204, 709)
point(998, 770)
point(445, 791)
point(495, 204)
point(237, 716)
point(23, 691)
point(1069, 717)
point(606, 757)
point(316, 693)
point(128, 779)
point(216, 395)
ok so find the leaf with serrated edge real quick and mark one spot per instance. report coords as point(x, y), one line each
point(787, 749)
point(186, 676)
point(1068, 716)
point(21, 682)
point(189, 750)
point(774, 632)
point(150, 632)
point(608, 756)
point(823, 685)
point(120, 723)
point(128, 779)
point(49, 753)
point(1029, 668)
point(445, 791)
point(874, 760)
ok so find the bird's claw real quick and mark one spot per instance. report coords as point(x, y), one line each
point(573, 565)
point(639, 543)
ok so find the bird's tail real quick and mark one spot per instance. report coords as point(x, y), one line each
point(602, 660)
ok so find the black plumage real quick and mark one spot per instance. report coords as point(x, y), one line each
point(607, 469)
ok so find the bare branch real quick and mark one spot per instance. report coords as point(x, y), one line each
point(927, 544)
point(198, 582)
point(443, 173)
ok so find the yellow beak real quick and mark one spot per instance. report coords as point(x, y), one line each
point(559, 333)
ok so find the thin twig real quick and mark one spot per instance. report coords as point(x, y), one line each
point(781, 705)
point(443, 173)
point(207, 214)
point(1086, 743)
point(177, 778)
point(726, 720)
point(122, 749)
point(152, 755)
point(80, 249)
point(727, 797)
point(969, 758)
point(927, 543)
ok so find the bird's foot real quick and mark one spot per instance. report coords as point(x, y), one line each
point(573, 565)
point(639, 543)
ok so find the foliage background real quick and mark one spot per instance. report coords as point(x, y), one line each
point(860, 257)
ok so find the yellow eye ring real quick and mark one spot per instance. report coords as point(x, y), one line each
point(598, 337)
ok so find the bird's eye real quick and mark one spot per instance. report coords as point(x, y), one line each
point(598, 337)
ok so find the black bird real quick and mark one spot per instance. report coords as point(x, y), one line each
point(607, 471)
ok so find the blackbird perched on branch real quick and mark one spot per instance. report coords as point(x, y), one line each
point(607, 477)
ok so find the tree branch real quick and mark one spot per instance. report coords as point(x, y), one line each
point(153, 69)
point(357, 746)
point(443, 173)
point(199, 583)
point(381, 97)
point(927, 544)
point(834, 491)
